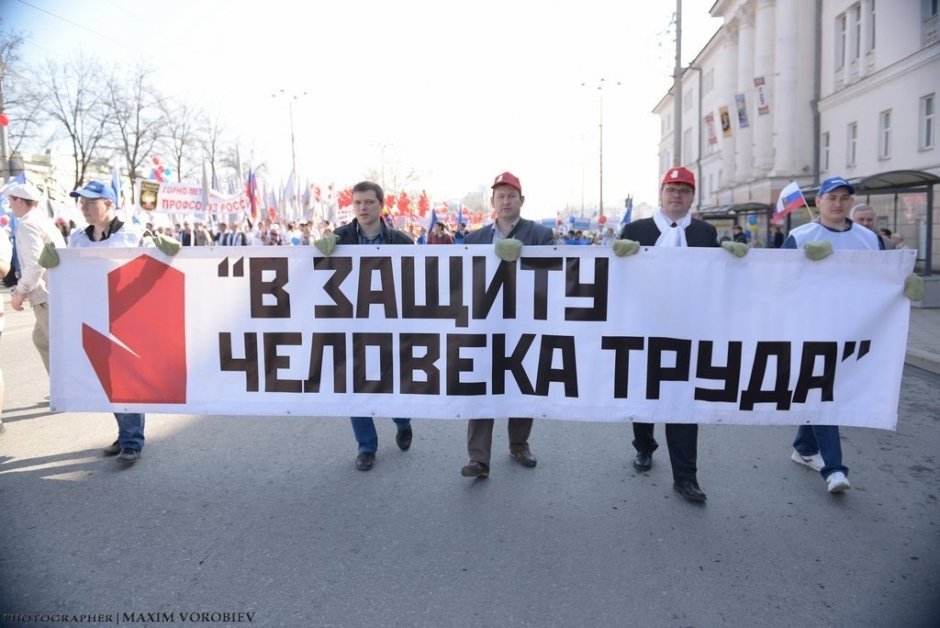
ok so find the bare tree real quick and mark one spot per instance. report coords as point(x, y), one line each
point(394, 177)
point(17, 100)
point(136, 118)
point(74, 96)
point(180, 136)
point(213, 140)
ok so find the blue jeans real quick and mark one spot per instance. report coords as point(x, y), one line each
point(822, 440)
point(366, 436)
point(130, 430)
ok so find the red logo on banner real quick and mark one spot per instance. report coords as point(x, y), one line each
point(144, 360)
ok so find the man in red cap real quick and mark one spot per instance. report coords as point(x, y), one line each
point(509, 228)
point(672, 225)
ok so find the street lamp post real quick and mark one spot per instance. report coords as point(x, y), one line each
point(600, 158)
point(291, 97)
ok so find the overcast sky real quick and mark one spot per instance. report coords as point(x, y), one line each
point(457, 91)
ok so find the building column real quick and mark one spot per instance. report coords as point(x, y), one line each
point(786, 89)
point(728, 83)
point(764, 68)
point(745, 85)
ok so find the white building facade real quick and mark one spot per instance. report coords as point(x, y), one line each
point(803, 90)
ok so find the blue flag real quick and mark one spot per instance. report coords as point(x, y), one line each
point(116, 180)
point(628, 212)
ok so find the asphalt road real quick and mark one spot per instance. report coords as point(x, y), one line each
point(267, 516)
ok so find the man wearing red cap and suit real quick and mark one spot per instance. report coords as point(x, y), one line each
point(507, 200)
point(672, 225)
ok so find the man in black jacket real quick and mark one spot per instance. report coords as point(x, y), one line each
point(369, 228)
point(672, 225)
point(507, 200)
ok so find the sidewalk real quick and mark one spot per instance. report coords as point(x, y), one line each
point(923, 339)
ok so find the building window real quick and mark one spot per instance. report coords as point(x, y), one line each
point(824, 150)
point(709, 82)
point(687, 100)
point(884, 134)
point(931, 22)
point(852, 148)
point(872, 25)
point(927, 121)
point(687, 146)
point(857, 18)
point(841, 42)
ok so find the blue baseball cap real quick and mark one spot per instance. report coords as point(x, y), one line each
point(96, 189)
point(832, 183)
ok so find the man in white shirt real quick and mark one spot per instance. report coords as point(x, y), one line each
point(33, 231)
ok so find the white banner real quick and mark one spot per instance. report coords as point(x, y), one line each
point(183, 198)
point(667, 335)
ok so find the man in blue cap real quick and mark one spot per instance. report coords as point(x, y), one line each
point(105, 230)
point(818, 446)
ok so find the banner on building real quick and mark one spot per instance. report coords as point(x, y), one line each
point(182, 198)
point(725, 118)
point(450, 331)
point(763, 105)
point(710, 125)
point(741, 102)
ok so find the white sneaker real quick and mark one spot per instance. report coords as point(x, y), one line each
point(814, 462)
point(837, 482)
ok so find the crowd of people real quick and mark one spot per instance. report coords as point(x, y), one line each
point(672, 225)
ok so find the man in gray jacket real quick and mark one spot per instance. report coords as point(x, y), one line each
point(507, 200)
point(33, 231)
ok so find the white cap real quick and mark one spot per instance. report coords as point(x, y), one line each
point(26, 191)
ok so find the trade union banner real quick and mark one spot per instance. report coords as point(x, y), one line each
point(182, 198)
point(452, 332)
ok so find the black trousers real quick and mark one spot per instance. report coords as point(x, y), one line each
point(682, 441)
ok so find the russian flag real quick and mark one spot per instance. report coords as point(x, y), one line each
point(790, 198)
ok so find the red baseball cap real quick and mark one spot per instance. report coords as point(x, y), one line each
point(679, 175)
point(508, 178)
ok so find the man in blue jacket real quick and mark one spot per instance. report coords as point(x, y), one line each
point(369, 228)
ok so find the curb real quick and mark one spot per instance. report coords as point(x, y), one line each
point(926, 360)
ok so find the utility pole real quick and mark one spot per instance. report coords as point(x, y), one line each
point(600, 157)
point(677, 89)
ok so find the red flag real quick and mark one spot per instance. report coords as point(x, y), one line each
point(252, 189)
point(404, 204)
point(345, 197)
point(390, 201)
point(424, 204)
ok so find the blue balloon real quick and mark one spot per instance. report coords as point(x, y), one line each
point(571, 220)
point(167, 171)
point(295, 240)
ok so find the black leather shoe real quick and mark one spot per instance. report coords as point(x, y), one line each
point(690, 490)
point(474, 469)
point(365, 460)
point(112, 450)
point(524, 457)
point(403, 439)
point(643, 462)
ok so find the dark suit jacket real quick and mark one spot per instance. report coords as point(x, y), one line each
point(645, 231)
point(528, 232)
point(349, 234)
